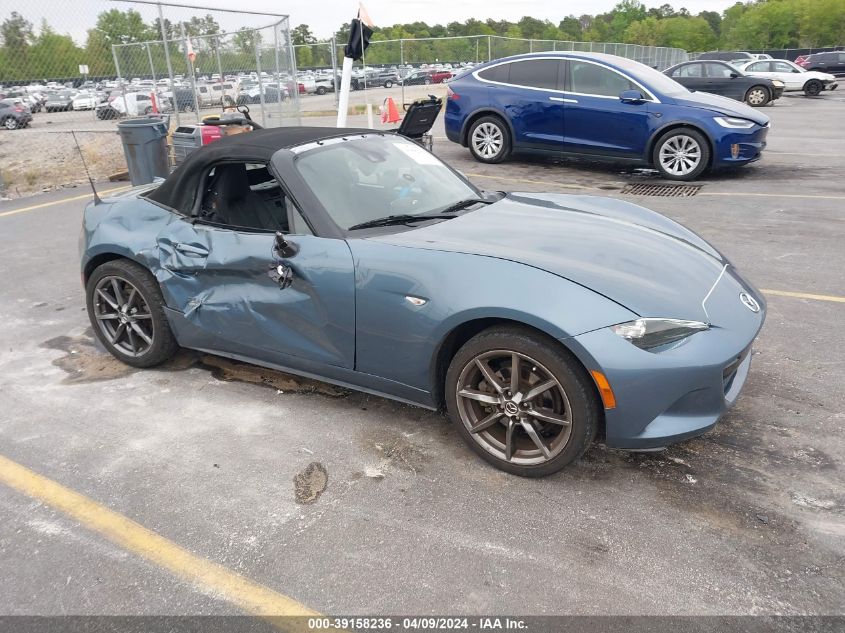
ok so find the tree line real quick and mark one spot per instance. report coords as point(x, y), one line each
point(27, 53)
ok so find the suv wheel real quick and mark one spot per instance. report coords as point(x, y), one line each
point(321, 90)
point(489, 140)
point(388, 84)
point(682, 154)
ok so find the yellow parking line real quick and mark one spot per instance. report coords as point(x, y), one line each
point(802, 295)
point(63, 200)
point(532, 182)
point(210, 578)
point(741, 194)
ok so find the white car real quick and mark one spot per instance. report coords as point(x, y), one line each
point(792, 75)
point(85, 101)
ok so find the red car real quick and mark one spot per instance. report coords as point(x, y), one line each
point(801, 59)
point(439, 76)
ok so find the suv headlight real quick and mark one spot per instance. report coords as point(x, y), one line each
point(733, 122)
point(649, 333)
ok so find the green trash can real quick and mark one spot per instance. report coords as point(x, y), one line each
point(145, 147)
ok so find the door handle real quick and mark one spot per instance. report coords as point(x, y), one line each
point(191, 251)
point(563, 100)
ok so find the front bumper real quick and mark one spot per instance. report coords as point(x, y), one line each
point(672, 395)
point(749, 143)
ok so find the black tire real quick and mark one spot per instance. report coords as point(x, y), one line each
point(498, 129)
point(758, 96)
point(675, 137)
point(388, 84)
point(11, 123)
point(163, 344)
point(535, 351)
point(427, 81)
point(321, 90)
point(813, 88)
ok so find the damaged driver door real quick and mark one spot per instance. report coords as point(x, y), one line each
point(287, 300)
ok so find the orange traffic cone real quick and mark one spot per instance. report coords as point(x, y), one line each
point(390, 114)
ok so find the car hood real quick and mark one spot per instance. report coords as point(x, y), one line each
point(722, 105)
point(631, 255)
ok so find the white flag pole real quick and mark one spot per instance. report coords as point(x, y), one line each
point(343, 100)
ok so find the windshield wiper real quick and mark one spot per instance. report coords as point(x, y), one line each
point(463, 204)
point(399, 219)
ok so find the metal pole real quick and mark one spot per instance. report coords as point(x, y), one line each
point(476, 50)
point(169, 65)
point(152, 68)
point(278, 73)
point(292, 58)
point(489, 48)
point(217, 50)
point(401, 52)
point(190, 66)
point(120, 76)
point(261, 83)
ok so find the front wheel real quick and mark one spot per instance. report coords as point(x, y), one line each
point(489, 140)
point(321, 91)
point(522, 402)
point(682, 154)
point(757, 96)
point(427, 82)
point(126, 310)
point(388, 84)
point(10, 123)
point(813, 88)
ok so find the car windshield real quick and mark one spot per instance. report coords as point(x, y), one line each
point(364, 179)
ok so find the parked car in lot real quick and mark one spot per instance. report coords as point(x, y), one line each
point(423, 76)
point(85, 101)
point(722, 78)
point(14, 115)
point(793, 76)
point(182, 99)
point(832, 63)
point(131, 104)
point(727, 56)
point(59, 101)
point(600, 106)
point(620, 319)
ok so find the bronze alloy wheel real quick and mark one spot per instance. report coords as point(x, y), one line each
point(513, 407)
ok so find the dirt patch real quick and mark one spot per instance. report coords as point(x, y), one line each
point(85, 362)
point(392, 450)
point(310, 483)
point(232, 370)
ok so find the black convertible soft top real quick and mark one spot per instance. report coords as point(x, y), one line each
point(180, 188)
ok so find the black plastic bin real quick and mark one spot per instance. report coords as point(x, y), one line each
point(145, 147)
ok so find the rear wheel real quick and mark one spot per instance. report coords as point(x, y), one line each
point(813, 88)
point(427, 81)
point(757, 96)
point(489, 140)
point(388, 84)
point(126, 310)
point(10, 123)
point(682, 154)
point(321, 90)
point(522, 402)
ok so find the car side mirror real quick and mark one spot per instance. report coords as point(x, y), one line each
point(631, 96)
point(734, 75)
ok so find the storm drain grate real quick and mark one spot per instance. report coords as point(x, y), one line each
point(665, 191)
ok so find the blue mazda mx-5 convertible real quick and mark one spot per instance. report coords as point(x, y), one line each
point(359, 258)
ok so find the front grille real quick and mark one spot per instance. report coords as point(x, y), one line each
point(664, 191)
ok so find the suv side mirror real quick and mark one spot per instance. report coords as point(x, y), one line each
point(734, 75)
point(631, 96)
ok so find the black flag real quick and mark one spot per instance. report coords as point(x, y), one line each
point(359, 39)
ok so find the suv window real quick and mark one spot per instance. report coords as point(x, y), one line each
point(535, 73)
point(592, 79)
point(498, 73)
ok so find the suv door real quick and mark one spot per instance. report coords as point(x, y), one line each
point(529, 93)
point(690, 76)
point(596, 121)
point(223, 282)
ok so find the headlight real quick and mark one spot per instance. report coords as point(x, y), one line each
point(777, 83)
point(733, 122)
point(649, 333)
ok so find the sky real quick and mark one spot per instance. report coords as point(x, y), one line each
point(74, 17)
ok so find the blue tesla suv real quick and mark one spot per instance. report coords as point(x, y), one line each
point(599, 106)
